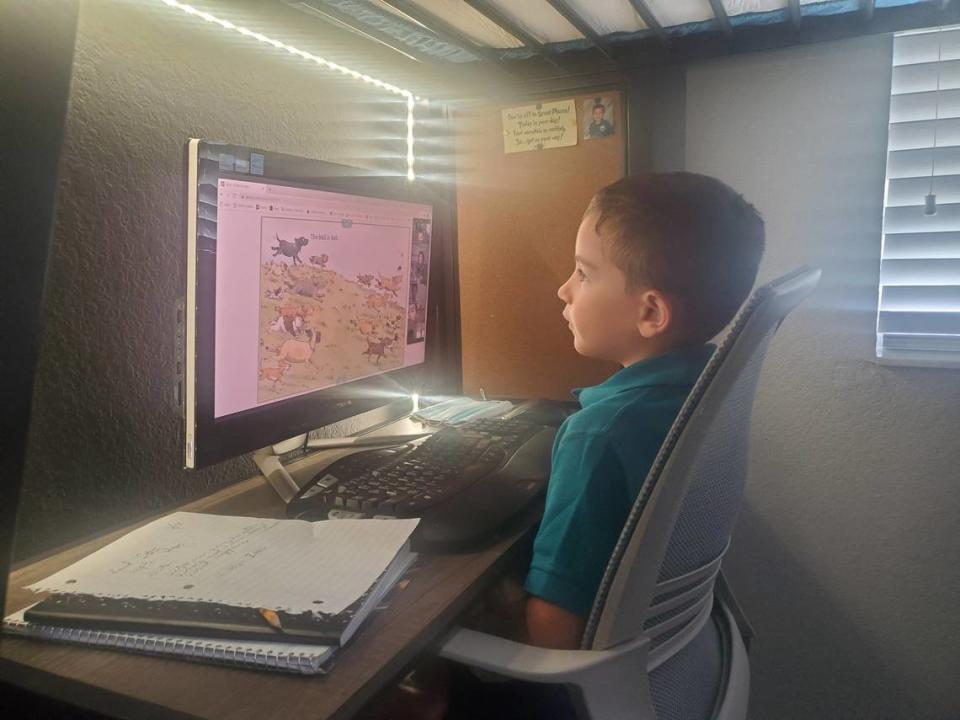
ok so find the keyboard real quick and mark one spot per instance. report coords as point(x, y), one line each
point(465, 483)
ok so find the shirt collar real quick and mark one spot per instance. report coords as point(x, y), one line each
point(678, 367)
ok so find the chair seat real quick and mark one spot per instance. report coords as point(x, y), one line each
point(678, 690)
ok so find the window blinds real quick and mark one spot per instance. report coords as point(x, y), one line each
point(918, 317)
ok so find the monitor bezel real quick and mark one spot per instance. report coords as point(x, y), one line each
point(207, 439)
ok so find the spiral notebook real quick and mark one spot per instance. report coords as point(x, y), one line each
point(279, 656)
point(275, 594)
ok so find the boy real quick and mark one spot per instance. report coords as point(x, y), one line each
point(662, 263)
point(599, 125)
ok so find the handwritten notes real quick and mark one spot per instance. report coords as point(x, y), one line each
point(292, 565)
point(540, 126)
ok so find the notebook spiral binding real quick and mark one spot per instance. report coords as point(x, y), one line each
point(281, 657)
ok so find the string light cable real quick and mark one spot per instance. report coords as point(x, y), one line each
point(411, 99)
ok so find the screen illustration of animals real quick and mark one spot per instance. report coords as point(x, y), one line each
point(331, 311)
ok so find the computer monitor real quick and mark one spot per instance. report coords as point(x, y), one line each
point(306, 298)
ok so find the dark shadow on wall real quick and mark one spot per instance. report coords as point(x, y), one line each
point(105, 443)
point(36, 57)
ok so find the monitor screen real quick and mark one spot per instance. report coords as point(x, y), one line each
point(309, 299)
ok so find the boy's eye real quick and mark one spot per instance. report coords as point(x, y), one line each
point(580, 274)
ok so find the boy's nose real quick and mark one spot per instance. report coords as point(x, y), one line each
point(562, 291)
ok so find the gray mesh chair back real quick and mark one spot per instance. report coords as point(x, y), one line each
point(659, 581)
point(657, 592)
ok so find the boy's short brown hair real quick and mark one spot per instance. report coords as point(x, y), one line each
point(689, 236)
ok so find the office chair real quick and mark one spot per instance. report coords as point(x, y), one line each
point(656, 611)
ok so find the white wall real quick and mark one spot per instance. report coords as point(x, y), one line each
point(846, 554)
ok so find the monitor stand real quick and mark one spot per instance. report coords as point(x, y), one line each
point(269, 460)
point(290, 464)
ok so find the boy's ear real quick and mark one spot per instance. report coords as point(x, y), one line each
point(654, 313)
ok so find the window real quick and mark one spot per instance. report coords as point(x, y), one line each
point(918, 316)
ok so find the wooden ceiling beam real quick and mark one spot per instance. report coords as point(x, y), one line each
point(795, 16)
point(650, 20)
point(342, 21)
point(723, 21)
point(575, 19)
point(496, 16)
point(444, 31)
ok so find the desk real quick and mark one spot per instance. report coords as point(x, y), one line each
point(135, 686)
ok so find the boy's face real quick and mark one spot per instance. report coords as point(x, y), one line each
point(601, 312)
point(598, 113)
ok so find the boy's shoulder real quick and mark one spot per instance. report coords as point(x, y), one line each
point(591, 420)
point(633, 409)
point(627, 413)
point(645, 395)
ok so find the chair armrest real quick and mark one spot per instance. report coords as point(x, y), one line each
point(526, 662)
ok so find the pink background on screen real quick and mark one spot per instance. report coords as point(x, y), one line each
point(238, 268)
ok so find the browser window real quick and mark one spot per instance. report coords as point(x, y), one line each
point(314, 289)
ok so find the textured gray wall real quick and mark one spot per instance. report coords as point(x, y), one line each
point(104, 443)
point(668, 119)
point(846, 552)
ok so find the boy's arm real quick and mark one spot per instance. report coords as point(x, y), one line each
point(509, 611)
point(587, 504)
point(551, 626)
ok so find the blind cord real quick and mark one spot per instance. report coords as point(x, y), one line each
point(930, 201)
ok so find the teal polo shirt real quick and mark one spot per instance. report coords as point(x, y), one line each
point(601, 456)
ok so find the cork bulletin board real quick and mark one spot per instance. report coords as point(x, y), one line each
point(518, 214)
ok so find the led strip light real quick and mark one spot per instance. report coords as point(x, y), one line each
point(227, 25)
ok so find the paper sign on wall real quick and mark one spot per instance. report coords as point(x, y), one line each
point(540, 126)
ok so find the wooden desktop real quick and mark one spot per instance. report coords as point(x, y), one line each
point(124, 684)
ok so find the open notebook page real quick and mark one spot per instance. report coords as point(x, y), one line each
point(291, 565)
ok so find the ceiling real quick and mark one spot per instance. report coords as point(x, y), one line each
point(461, 30)
point(531, 37)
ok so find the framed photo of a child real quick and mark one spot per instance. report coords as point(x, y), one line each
point(600, 115)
